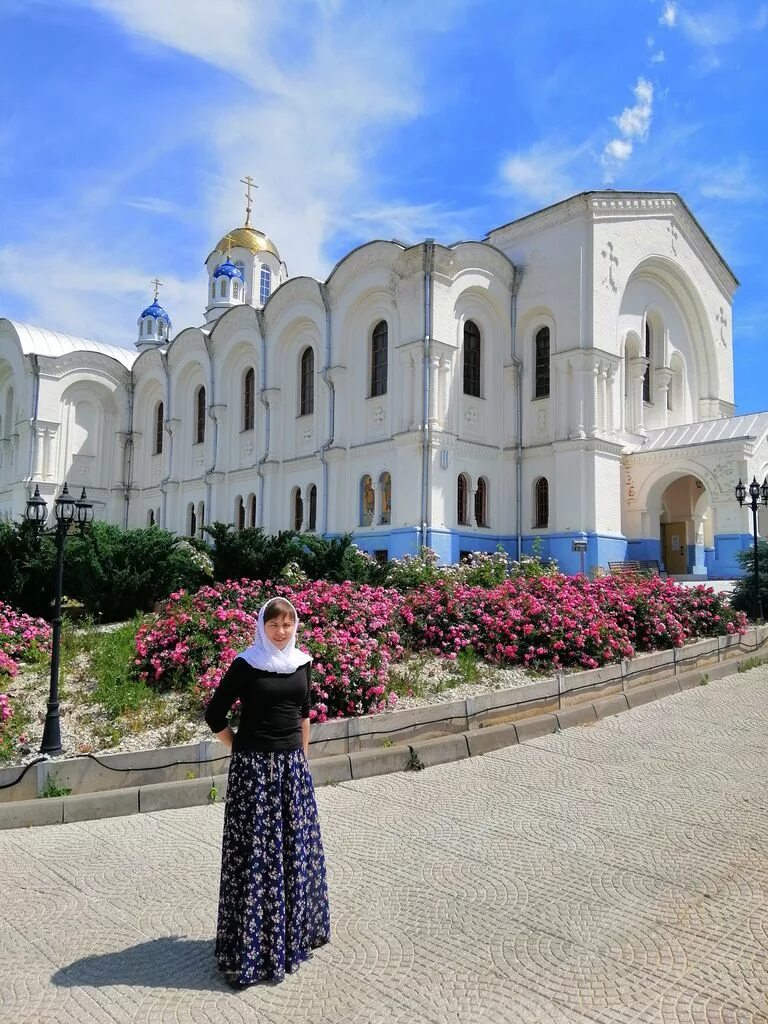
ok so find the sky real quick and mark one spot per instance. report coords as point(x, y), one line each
point(125, 126)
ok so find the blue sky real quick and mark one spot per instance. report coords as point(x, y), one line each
point(126, 124)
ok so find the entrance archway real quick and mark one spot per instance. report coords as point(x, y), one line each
point(685, 526)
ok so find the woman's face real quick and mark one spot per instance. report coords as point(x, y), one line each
point(280, 630)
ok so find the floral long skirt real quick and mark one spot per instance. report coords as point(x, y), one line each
point(273, 898)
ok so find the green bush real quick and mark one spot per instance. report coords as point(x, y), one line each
point(26, 580)
point(743, 597)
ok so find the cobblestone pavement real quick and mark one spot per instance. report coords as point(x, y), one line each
point(608, 874)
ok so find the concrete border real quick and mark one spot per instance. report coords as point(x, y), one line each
point(601, 692)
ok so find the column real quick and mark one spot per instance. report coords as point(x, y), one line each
point(434, 383)
point(410, 387)
point(663, 379)
point(37, 470)
point(377, 502)
point(593, 378)
point(610, 400)
point(445, 377)
point(699, 565)
point(637, 373)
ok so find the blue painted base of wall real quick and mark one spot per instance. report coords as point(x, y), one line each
point(721, 562)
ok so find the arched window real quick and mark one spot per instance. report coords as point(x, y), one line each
point(239, 513)
point(379, 346)
point(148, 324)
point(235, 289)
point(159, 422)
point(222, 287)
point(201, 517)
point(541, 503)
point(151, 517)
point(367, 501)
point(200, 416)
point(307, 382)
point(191, 521)
point(252, 511)
point(462, 500)
point(312, 524)
point(471, 359)
point(161, 328)
point(481, 502)
point(647, 353)
point(265, 285)
point(249, 399)
point(298, 509)
point(385, 484)
point(541, 344)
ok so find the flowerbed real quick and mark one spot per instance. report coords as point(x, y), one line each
point(355, 632)
point(22, 638)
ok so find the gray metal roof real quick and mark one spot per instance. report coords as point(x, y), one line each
point(732, 428)
point(42, 342)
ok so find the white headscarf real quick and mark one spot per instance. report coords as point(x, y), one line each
point(263, 654)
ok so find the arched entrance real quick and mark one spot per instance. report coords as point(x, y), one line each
point(685, 526)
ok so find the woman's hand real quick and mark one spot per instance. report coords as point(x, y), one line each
point(227, 737)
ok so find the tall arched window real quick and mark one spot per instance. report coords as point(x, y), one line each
point(151, 517)
point(472, 362)
point(541, 344)
point(222, 287)
point(385, 483)
point(235, 289)
point(379, 346)
point(312, 524)
point(541, 503)
point(367, 501)
point(201, 517)
point(481, 502)
point(161, 328)
point(239, 513)
point(462, 500)
point(191, 521)
point(298, 509)
point(252, 511)
point(265, 284)
point(200, 416)
point(249, 399)
point(307, 382)
point(647, 374)
point(159, 421)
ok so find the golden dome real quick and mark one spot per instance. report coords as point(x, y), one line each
point(247, 238)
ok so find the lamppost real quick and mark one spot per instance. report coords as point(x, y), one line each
point(757, 493)
point(66, 511)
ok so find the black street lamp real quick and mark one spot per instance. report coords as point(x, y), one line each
point(757, 493)
point(66, 511)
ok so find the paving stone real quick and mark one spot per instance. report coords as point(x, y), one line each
point(615, 874)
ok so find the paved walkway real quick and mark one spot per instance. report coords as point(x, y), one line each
point(615, 873)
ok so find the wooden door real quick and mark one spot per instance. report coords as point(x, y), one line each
point(675, 549)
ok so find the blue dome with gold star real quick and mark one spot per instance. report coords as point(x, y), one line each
point(228, 269)
point(156, 311)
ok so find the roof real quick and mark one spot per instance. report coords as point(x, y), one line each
point(42, 342)
point(247, 238)
point(732, 428)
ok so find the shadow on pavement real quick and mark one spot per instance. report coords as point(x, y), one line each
point(170, 962)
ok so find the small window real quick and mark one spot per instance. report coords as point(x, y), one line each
point(249, 399)
point(472, 359)
point(542, 363)
point(367, 501)
point(235, 289)
point(159, 423)
point(201, 517)
point(161, 328)
point(381, 555)
point(151, 517)
point(385, 484)
point(239, 513)
point(265, 285)
point(481, 502)
point(307, 383)
point(252, 511)
point(379, 345)
point(222, 287)
point(541, 503)
point(298, 509)
point(200, 416)
point(191, 521)
point(647, 374)
point(312, 525)
point(462, 500)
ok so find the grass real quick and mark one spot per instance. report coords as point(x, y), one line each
point(750, 663)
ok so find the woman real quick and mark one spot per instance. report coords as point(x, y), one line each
point(273, 898)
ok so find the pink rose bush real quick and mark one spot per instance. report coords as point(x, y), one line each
point(350, 630)
point(354, 632)
point(22, 638)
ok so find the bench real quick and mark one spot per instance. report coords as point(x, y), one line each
point(645, 566)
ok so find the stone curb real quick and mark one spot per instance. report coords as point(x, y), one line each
point(335, 768)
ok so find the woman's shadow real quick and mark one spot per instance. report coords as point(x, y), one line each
point(171, 962)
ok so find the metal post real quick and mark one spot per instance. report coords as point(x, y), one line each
point(758, 602)
point(52, 731)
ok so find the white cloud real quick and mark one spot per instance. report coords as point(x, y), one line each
point(658, 57)
point(633, 123)
point(734, 181)
point(542, 174)
point(669, 14)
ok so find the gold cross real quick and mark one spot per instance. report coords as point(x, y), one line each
point(228, 240)
point(248, 182)
point(158, 285)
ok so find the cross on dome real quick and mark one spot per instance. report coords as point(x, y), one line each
point(249, 184)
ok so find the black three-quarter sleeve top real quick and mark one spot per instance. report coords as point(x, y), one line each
point(272, 706)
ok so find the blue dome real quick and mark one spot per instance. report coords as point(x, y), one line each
point(228, 269)
point(157, 311)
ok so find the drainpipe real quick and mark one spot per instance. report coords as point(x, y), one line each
point(517, 362)
point(329, 384)
point(267, 428)
point(128, 467)
point(426, 451)
point(167, 410)
point(211, 405)
point(35, 409)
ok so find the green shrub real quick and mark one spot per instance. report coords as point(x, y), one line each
point(743, 597)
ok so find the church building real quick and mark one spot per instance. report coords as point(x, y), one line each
point(565, 381)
